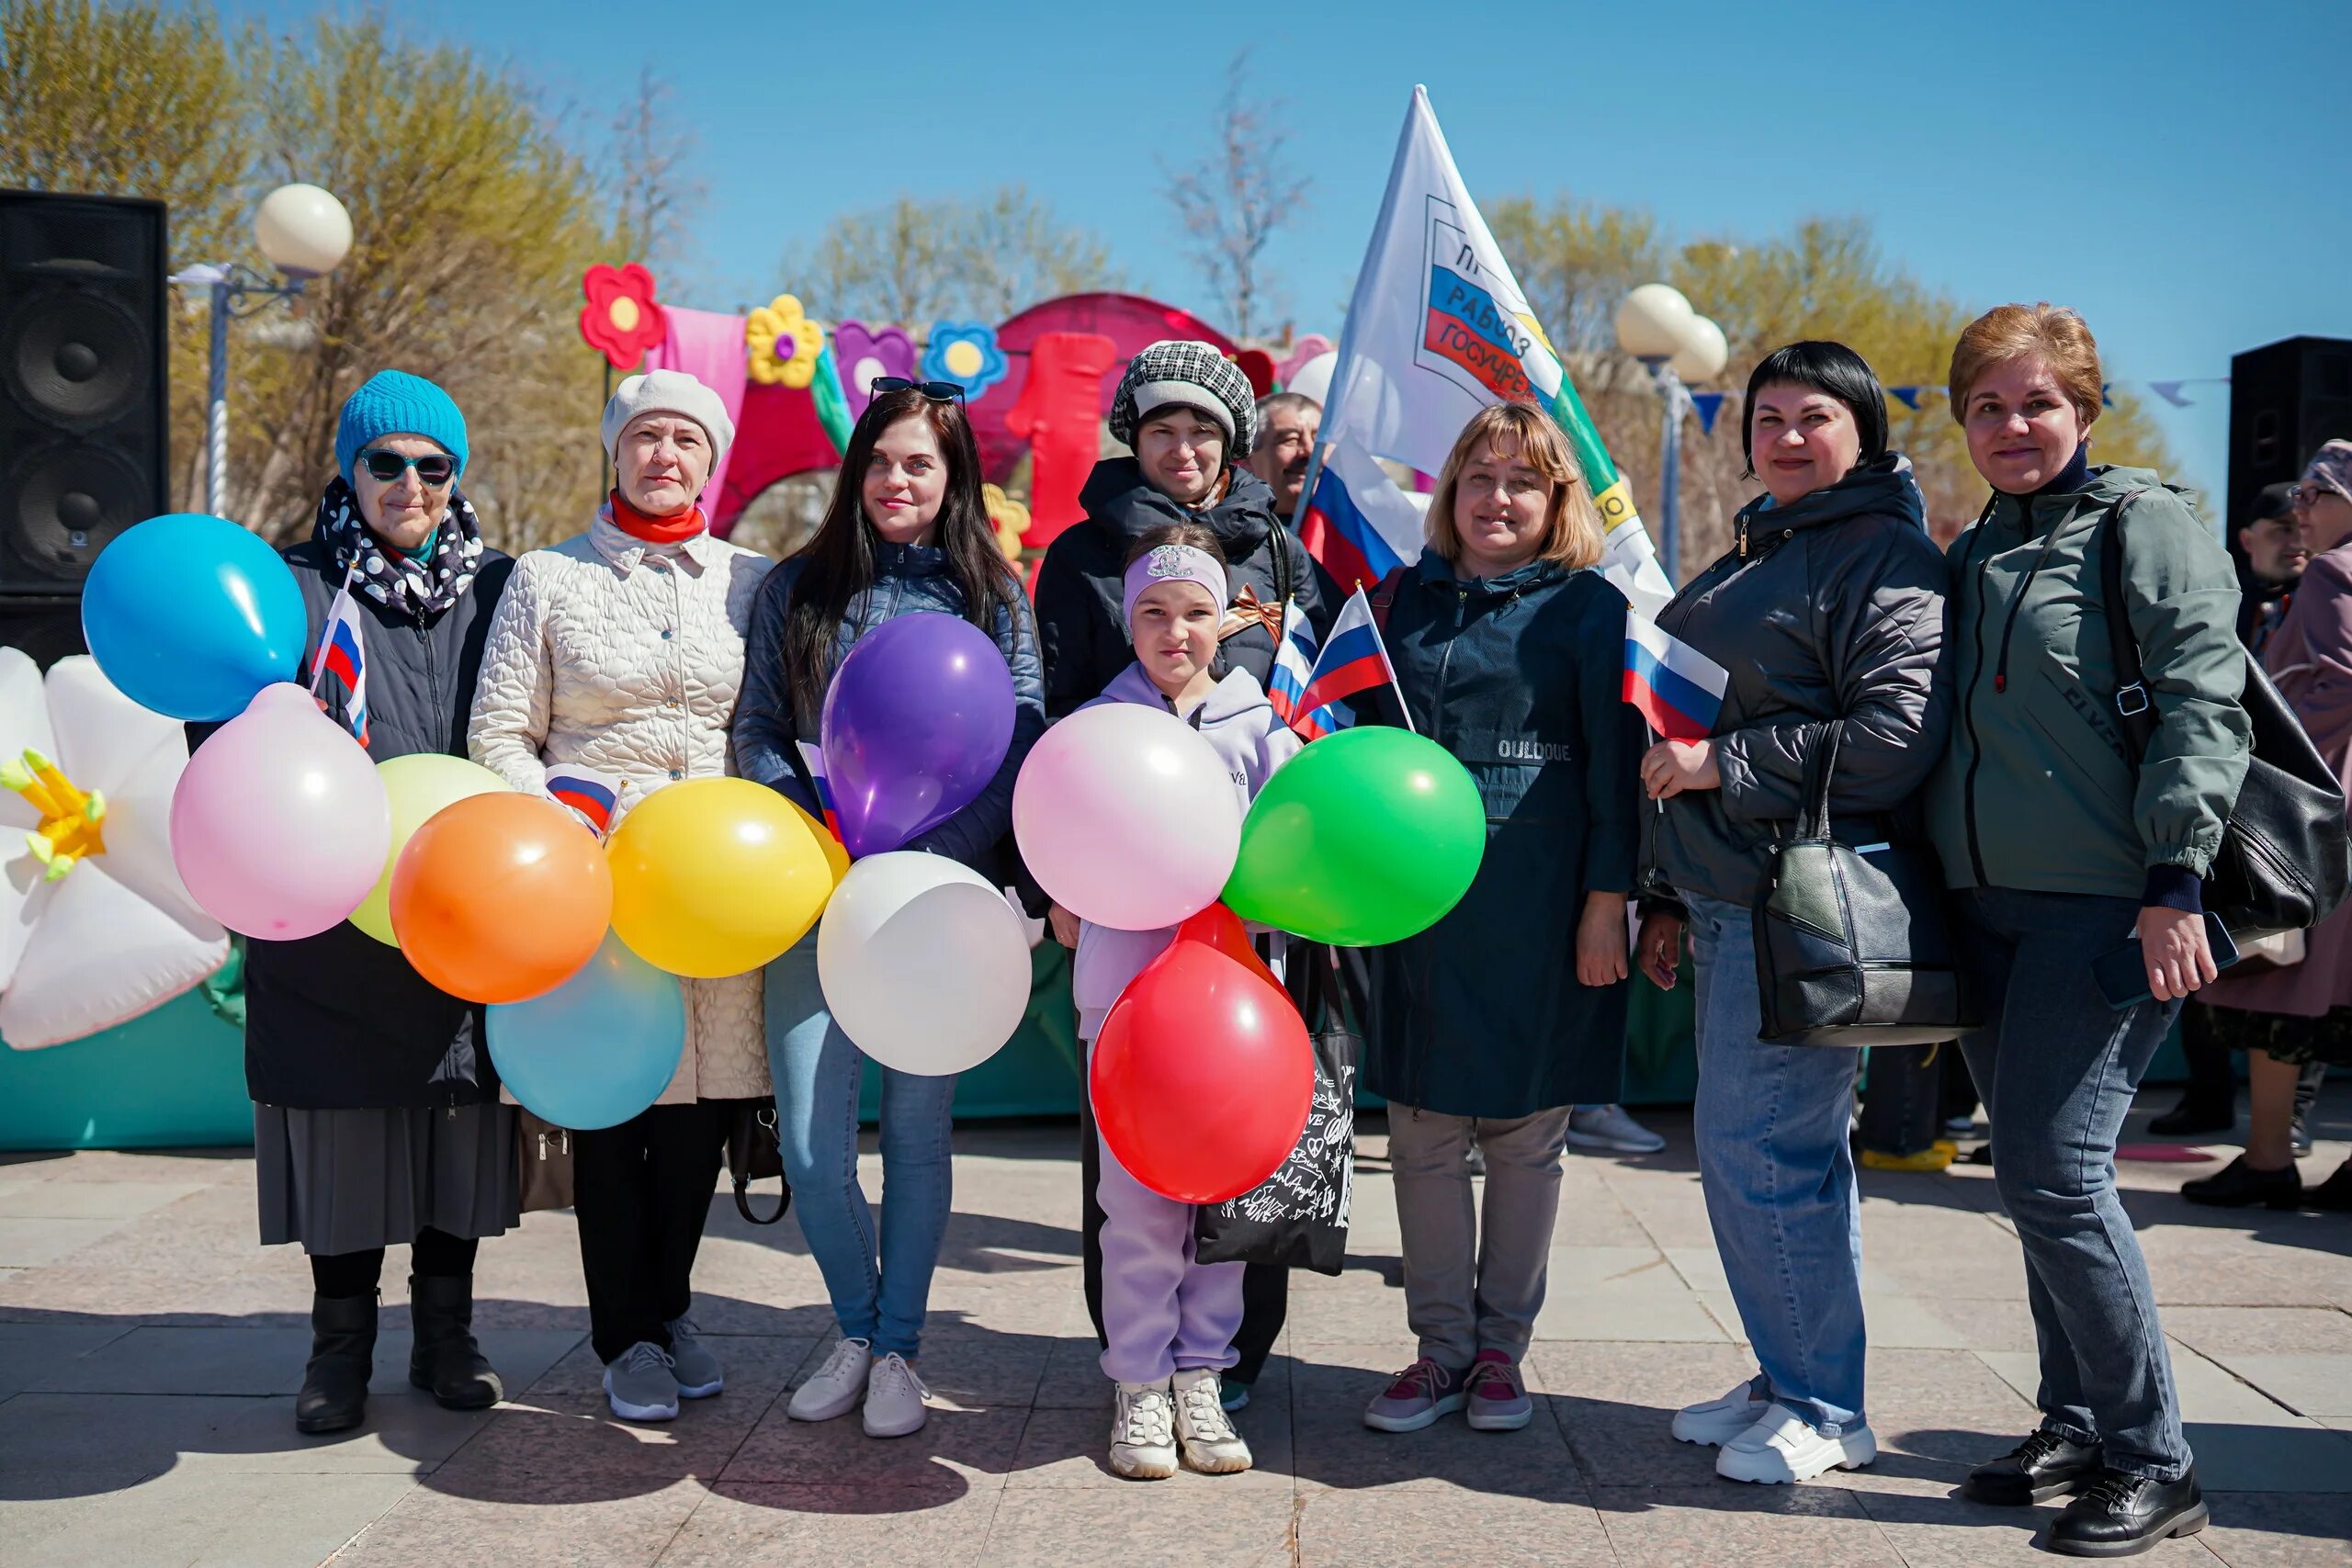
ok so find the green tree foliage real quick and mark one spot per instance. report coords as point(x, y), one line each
point(915, 262)
point(474, 216)
point(1824, 279)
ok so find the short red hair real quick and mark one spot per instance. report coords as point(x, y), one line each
point(2051, 334)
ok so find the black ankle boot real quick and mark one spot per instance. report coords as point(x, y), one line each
point(2238, 1185)
point(2042, 1467)
point(2117, 1515)
point(447, 1362)
point(343, 1355)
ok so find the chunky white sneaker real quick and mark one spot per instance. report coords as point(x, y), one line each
point(1608, 1127)
point(1143, 1435)
point(1211, 1445)
point(894, 1397)
point(1784, 1447)
point(834, 1388)
point(1719, 1420)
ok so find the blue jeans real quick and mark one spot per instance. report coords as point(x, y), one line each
point(879, 1293)
point(2056, 1068)
point(1778, 1179)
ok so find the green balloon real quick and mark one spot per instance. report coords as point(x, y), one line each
point(1365, 837)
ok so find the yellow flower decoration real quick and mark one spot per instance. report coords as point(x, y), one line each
point(1011, 520)
point(784, 344)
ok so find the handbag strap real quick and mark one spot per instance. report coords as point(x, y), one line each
point(739, 1162)
point(1820, 766)
point(2132, 705)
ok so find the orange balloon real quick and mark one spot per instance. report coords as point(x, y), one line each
point(501, 897)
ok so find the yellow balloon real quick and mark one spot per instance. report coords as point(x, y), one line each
point(714, 877)
point(418, 787)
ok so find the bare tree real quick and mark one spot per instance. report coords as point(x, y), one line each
point(916, 262)
point(653, 192)
point(1234, 200)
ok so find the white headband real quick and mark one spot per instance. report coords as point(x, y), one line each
point(1172, 563)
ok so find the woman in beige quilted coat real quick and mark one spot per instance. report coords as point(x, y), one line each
point(622, 649)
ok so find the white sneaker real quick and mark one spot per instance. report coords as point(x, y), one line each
point(1719, 1420)
point(1784, 1447)
point(1143, 1437)
point(1608, 1127)
point(1211, 1445)
point(834, 1388)
point(894, 1397)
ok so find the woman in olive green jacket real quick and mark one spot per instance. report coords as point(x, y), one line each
point(2063, 851)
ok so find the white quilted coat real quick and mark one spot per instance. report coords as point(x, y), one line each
point(627, 658)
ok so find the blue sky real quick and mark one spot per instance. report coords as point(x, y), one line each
point(2182, 173)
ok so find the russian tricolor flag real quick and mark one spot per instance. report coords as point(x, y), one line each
point(343, 655)
point(1293, 671)
point(594, 795)
point(1354, 661)
point(1357, 523)
point(814, 757)
point(1678, 689)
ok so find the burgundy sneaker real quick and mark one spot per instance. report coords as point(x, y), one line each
point(1421, 1393)
point(1499, 1401)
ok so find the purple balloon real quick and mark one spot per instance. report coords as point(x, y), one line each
point(916, 722)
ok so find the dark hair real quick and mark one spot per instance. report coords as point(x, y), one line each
point(840, 559)
point(1832, 369)
point(1195, 535)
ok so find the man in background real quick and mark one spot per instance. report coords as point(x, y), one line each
point(1288, 425)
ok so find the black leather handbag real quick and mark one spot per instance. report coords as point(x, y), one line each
point(2285, 861)
point(755, 1152)
point(1853, 943)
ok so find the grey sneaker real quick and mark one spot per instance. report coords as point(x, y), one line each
point(893, 1398)
point(835, 1388)
point(691, 1362)
point(1608, 1127)
point(639, 1385)
point(1416, 1397)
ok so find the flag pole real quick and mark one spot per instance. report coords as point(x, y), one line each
point(1390, 665)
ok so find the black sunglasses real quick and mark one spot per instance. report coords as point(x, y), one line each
point(937, 391)
point(434, 468)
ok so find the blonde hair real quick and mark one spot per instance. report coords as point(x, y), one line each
point(1572, 533)
point(2051, 334)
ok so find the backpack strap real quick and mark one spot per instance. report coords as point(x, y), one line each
point(1383, 597)
point(2132, 705)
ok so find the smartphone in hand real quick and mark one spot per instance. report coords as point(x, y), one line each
point(2122, 972)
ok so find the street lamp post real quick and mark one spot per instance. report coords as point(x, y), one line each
point(305, 233)
point(1656, 326)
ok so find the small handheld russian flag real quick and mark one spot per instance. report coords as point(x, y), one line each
point(1293, 670)
point(344, 655)
point(814, 757)
point(594, 795)
point(1678, 689)
point(1353, 662)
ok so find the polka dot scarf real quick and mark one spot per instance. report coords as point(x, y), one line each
point(420, 587)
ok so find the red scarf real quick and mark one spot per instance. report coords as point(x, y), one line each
point(656, 530)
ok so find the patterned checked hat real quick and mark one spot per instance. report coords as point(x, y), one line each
point(1196, 375)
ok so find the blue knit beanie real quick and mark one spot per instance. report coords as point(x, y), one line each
point(394, 402)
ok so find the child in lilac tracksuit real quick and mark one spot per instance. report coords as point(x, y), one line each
point(1168, 1321)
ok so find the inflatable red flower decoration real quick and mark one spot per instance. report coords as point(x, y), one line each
point(621, 319)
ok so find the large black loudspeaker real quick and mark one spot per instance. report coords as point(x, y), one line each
point(2286, 398)
point(83, 432)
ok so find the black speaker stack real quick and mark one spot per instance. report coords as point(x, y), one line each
point(83, 430)
point(2286, 398)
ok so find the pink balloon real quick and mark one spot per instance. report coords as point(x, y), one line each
point(279, 825)
point(1128, 817)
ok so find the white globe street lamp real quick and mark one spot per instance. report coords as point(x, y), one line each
point(305, 233)
point(1656, 325)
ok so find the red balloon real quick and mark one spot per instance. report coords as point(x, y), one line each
point(1203, 1075)
point(1220, 928)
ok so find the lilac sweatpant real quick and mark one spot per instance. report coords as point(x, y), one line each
point(1161, 1311)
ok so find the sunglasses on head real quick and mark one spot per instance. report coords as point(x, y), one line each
point(937, 391)
point(435, 469)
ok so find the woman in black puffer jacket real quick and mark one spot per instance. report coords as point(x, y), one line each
point(1828, 610)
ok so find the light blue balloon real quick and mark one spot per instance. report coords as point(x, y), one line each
point(190, 615)
point(597, 1049)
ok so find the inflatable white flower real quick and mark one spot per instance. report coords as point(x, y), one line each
point(94, 925)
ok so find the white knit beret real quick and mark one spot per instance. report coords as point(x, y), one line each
point(668, 391)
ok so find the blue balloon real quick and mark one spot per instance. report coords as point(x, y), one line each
point(190, 615)
point(597, 1049)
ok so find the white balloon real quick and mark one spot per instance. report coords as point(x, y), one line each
point(1313, 378)
point(1128, 817)
point(924, 966)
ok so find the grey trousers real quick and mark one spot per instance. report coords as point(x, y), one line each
point(1471, 1287)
